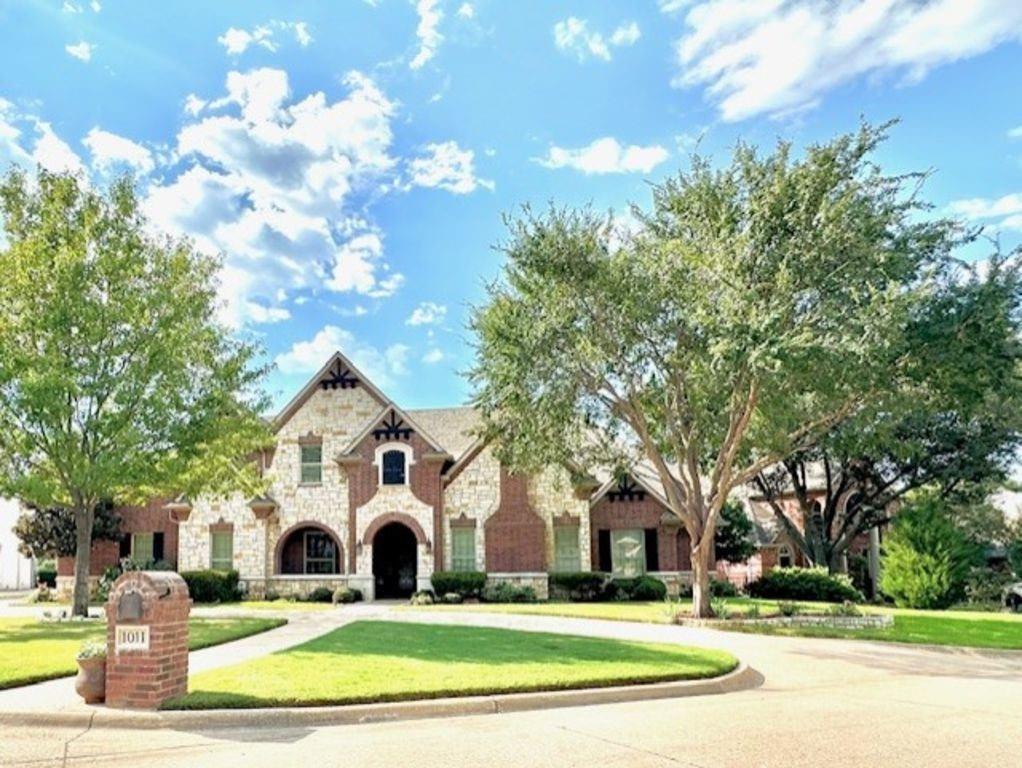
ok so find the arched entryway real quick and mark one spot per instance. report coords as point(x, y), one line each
point(394, 560)
point(309, 549)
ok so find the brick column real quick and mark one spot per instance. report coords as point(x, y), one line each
point(147, 639)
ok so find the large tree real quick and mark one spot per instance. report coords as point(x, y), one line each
point(758, 305)
point(953, 423)
point(116, 381)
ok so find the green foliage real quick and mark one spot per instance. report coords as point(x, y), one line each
point(926, 556)
point(805, 584)
point(47, 576)
point(787, 608)
point(51, 532)
point(723, 588)
point(422, 597)
point(985, 586)
point(321, 595)
point(734, 541)
point(760, 303)
point(344, 595)
point(644, 588)
point(580, 587)
point(720, 609)
point(847, 609)
point(116, 379)
point(452, 598)
point(92, 649)
point(465, 583)
point(508, 593)
point(210, 586)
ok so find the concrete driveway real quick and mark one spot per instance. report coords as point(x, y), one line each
point(827, 703)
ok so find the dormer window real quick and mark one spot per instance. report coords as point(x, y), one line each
point(393, 468)
point(393, 460)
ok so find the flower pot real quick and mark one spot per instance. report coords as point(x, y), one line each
point(91, 680)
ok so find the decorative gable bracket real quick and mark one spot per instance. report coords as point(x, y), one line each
point(339, 377)
point(393, 428)
point(627, 490)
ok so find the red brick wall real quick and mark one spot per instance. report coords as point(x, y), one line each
point(148, 518)
point(515, 534)
point(363, 482)
point(673, 546)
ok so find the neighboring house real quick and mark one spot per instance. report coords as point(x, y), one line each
point(149, 535)
point(16, 570)
point(368, 494)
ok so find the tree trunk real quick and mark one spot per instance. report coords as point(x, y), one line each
point(701, 580)
point(83, 551)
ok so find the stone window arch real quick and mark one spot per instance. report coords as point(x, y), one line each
point(393, 462)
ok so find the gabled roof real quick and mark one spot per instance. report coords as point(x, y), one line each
point(641, 478)
point(344, 364)
point(400, 414)
point(455, 428)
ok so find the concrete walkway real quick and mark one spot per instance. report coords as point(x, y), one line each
point(59, 695)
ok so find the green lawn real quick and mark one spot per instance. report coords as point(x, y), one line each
point(958, 628)
point(371, 661)
point(268, 605)
point(32, 651)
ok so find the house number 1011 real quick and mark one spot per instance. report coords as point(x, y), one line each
point(131, 638)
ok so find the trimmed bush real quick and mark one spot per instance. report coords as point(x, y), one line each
point(465, 583)
point(644, 588)
point(343, 595)
point(452, 598)
point(508, 593)
point(722, 588)
point(212, 586)
point(47, 576)
point(805, 584)
point(579, 587)
point(926, 557)
point(321, 595)
point(422, 597)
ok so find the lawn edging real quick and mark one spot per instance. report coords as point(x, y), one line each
point(741, 678)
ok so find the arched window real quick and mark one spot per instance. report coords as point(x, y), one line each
point(393, 460)
point(309, 550)
point(785, 559)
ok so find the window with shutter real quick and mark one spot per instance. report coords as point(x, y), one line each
point(394, 468)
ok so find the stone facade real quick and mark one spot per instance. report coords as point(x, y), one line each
point(451, 481)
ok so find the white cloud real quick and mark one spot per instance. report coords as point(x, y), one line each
point(47, 149)
point(95, 6)
point(381, 366)
point(427, 31)
point(110, 151)
point(447, 166)
point(572, 35)
point(427, 313)
point(1015, 133)
point(780, 56)
point(433, 356)
point(81, 51)
point(236, 41)
point(194, 105)
point(279, 184)
point(69, 7)
point(606, 155)
point(53, 153)
point(1002, 213)
point(466, 11)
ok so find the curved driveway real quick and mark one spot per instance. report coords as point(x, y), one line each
point(830, 703)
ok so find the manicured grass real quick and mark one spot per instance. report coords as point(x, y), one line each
point(269, 605)
point(387, 661)
point(975, 629)
point(32, 650)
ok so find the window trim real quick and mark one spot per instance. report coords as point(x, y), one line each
point(393, 445)
point(302, 463)
point(335, 560)
point(785, 551)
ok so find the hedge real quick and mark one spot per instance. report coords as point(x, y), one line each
point(579, 587)
point(464, 583)
point(212, 586)
point(805, 584)
point(640, 588)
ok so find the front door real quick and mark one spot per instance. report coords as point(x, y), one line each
point(394, 566)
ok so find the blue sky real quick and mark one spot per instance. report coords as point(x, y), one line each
point(352, 160)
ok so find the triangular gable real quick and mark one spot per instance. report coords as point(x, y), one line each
point(338, 373)
point(628, 485)
point(392, 423)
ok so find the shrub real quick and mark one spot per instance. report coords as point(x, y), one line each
point(805, 584)
point(465, 583)
point(752, 612)
point(92, 649)
point(271, 596)
point(718, 606)
point(422, 597)
point(733, 540)
point(985, 586)
point(344, 595)
point(722, 588)
point(644, 588)
point(212, 586)
point(47, 576)
point(788, 608)
point(927, 557)
point(321, 595)
point(106, 581)
point(508, 593)
point(452, 598)
point(579, 587)
point(42, 594)
point(847, 608)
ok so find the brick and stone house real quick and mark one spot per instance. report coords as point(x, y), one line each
point(368, 494)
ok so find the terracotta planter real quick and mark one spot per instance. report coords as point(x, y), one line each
point(91, 680)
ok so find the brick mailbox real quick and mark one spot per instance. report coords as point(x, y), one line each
point(147, 639)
